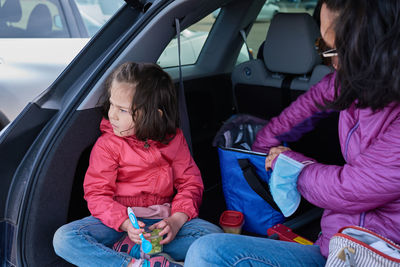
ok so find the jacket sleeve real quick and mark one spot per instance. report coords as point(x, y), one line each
point(100, 184)
point(297, 119)
point(370, 181)
point(187, 181)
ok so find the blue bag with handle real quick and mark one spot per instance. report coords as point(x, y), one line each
point(244, 178)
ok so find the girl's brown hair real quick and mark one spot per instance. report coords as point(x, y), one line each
point(154, 91)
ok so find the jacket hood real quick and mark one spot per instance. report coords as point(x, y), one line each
point(105, 126)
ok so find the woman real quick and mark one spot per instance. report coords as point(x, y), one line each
point(365, 88)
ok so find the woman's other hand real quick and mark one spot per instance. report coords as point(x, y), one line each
point(273, 153)
point(170, 226)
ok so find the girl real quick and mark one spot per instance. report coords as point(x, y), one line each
point(365, 191)
point(141, 160)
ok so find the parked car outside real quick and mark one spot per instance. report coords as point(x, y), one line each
point(38, 40)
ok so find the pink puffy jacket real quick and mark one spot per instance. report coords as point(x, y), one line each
point(366, 190)
point(124, 172)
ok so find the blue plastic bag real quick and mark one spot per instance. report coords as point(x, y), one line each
point(244, 178)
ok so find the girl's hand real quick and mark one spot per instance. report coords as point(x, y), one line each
point(170, 226)
point(132, 232)
point(273, 153)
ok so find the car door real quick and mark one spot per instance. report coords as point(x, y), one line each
point(25, 143)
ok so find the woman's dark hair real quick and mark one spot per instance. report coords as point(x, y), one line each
point(368, 45)
point(154, 91)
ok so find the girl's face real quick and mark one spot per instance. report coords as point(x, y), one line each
point(327, 29)
point(120, 112)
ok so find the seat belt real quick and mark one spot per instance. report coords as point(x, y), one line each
point(183, 113)
point(286, 96)
point(243, 34)
point(235, 102)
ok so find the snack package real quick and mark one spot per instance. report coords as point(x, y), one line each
point(155, 242)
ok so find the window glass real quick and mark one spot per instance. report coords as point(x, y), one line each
point(258, 32)
point(36, 44)
point(95, 13)
point(31, 19)
point(192, 41)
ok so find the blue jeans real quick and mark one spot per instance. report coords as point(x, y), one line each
point(239, 250)
point(88, 242)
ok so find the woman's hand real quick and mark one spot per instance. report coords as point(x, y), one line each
point(170, 226)
point(132, 232)
point(273, 153)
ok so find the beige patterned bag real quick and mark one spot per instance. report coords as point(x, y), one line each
point(355, 246)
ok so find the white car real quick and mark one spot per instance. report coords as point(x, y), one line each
point(38, 39)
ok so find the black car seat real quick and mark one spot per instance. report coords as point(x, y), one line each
point(10, 12)
point(290, 64)
point(40, 23)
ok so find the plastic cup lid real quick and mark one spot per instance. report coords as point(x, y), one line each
point(231, 218)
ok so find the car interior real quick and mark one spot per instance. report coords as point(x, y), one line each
point(284, 70)
point(62, 125)
point(40, 20)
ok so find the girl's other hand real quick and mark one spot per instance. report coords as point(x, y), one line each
point(170, 226)
point(132, 232)
point(273, 153)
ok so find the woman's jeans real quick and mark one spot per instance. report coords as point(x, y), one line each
point(238, 250)
point(88, 242)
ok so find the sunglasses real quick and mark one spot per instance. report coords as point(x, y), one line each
point(323, 49)
point(330, 53)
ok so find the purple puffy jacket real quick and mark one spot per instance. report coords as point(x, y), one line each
point(366, 190)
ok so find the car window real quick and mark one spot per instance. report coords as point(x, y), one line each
point(192, 41)
point(31, 19)
point(259, 30)
point(95, 13)
point(38, 39)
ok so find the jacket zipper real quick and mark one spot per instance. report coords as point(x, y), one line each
point(348, 139)
point(362, 215)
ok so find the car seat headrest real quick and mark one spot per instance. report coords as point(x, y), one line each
point(290, 44)
point(11, 11)
point(40, 22)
